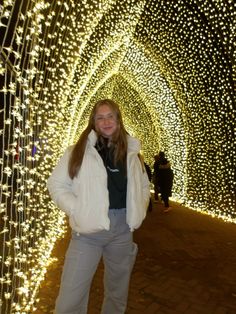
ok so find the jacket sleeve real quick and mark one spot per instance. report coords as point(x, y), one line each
point(60, 185)
point(138, 192)
point(145, 182)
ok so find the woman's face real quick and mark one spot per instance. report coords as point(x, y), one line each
point(105, 121)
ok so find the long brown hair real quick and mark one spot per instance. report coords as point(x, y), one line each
point(119, 139)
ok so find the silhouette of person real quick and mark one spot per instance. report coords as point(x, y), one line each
point(102, 185)
point(155, 178)
point(164, 178)
point(149, 173)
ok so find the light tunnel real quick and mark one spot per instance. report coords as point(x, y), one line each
point(171, 67)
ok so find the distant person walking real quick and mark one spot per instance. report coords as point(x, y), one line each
point(164, 178)
point(149, 173)
point(154, 178)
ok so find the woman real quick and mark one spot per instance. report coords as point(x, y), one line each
point(102, 186)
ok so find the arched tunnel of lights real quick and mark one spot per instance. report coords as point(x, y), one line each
point(170, 66)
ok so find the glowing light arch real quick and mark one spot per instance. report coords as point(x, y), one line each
point(50, 49)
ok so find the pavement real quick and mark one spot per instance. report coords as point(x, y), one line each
point(186, 265)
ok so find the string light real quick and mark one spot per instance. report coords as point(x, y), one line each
point(169, 64)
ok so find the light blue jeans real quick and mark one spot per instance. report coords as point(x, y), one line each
point(119, 252)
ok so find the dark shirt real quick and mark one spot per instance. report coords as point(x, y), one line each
point(116, 177)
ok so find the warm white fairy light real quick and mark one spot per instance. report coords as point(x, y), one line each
point(167, 64)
